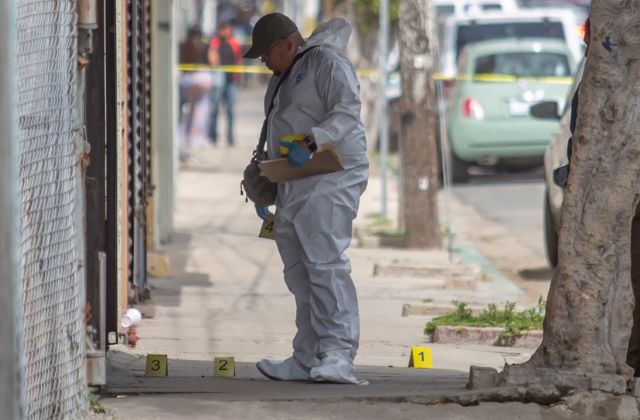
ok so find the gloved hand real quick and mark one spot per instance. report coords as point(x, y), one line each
point(298, 154)
point(262, 212)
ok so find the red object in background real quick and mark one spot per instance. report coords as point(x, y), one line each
point(132, 338)
point(584, 30)
point(447, 85)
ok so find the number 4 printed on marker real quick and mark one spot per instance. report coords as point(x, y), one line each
point(268, 229)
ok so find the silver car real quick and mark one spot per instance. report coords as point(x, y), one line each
point(555, 157)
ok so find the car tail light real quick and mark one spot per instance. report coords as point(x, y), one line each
point(472, 109)
point(582, 30)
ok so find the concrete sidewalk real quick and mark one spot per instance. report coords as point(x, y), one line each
point(226, 297)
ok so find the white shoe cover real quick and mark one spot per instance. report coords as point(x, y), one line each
point(285, 370)
point(336, 371)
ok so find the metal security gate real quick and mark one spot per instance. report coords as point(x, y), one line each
point(139, 137)
point(50, 209)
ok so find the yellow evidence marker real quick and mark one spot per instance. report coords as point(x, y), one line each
point(157, 365)
point(224, 366)
point(268, 229)
point(420, 357)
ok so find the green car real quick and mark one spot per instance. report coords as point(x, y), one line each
point(488, 108)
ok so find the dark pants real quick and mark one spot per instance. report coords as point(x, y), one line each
point(226, 93)
point(633, 354)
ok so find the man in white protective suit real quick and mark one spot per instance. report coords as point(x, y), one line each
point(318, 97)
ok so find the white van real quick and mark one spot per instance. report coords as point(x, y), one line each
point(460, 30)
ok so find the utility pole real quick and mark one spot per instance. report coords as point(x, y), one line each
point(418, 145)
point(11, 362)
point(383, 126)
point(209, 16)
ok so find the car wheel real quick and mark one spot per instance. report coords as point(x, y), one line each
point(550, 234)
point(459, 170)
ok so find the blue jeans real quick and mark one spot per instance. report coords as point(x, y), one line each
point(226, 93)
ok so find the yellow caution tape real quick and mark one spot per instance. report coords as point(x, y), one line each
point(508, 78)
point(224, 69)
point(249, 69)
point(493, 78)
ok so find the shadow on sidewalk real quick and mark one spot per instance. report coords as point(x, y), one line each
point(167, 291)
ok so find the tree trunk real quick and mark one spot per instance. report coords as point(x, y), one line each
point(417, 142)
point(590, 305)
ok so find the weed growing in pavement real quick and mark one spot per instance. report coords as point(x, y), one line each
point(445, 231)
point(95, 405)
point(389, 234)
point(484, 276)
point(377, 220)
point(514, 323)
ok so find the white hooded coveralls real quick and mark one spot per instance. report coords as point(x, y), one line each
point(314, 215)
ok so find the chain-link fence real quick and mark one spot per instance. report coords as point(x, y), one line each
point(51, 248)
point(11, 367)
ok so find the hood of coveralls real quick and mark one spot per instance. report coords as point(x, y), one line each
point(333, 34)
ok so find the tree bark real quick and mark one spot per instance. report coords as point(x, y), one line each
point(418, 141)
point(590, 305)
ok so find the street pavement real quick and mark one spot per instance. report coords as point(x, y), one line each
point(226, 297)
point(505, 216)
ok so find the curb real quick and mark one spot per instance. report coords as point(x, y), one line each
point(503, 285)
point(489, 336)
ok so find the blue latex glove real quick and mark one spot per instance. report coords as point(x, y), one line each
point(298, 155)
point(262, 212)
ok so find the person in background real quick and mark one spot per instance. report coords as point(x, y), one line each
point(193, 50)
point(224, 50)
point(195, 85)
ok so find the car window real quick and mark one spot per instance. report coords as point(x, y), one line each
point(524, 64)
point(444, 10)
point(472, 32)
point(486, 7)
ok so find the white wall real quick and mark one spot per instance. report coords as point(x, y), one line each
point(164, 115)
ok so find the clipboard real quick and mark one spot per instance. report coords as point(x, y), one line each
point(323, 162)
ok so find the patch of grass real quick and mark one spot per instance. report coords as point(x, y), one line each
point(514, 323)
point(95, 405)
point(445, 232)
point(484, 276)
point(377, 219)
point(389, 234)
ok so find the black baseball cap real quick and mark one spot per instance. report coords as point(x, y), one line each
point(268, 30)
